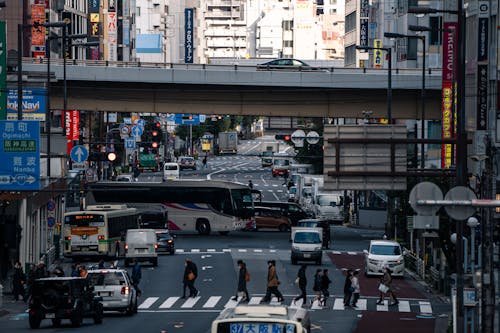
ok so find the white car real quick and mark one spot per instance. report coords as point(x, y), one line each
point(115, 288)
point(125, 178)
point(384, 253)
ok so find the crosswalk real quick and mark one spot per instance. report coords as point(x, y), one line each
point(200, 303)
point(255, 251)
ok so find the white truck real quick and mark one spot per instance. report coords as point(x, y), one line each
point(304, 194)
point(228, 143)
point(328, 205)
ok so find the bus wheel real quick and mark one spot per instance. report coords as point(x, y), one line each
point(203, 227)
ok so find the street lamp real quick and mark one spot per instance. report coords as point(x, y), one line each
point(389, 76)
point(422, 91)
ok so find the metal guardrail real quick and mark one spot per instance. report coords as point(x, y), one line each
point(433, 72)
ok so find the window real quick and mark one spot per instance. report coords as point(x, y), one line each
point(333, 2)
point(350, 55)
point(435, 35)
point(138, 11)
point(350, 22)
point(412, 49)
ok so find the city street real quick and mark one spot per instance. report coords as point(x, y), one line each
point(162, 308)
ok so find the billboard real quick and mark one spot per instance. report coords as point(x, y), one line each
point(188, 35)
point(111, 26)
point(34, 103)
point(38, 32)
point(3, 71)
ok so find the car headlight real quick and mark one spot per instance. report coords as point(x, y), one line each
point(295, 248)
point(317, 248)
point(373, 261)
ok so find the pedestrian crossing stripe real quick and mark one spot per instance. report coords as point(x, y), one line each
point(200, 251)
point(336, 304)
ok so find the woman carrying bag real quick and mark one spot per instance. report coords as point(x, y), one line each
point(385, 288)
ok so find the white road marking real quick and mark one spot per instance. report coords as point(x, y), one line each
point(195, 250)
point(169, 302)
point(361, 304)
point(338, 304)
point(179, 250)
point(352, 253)
point(191, 301)
point(254, 300)
point(210, 250)
point(257, 250)
point(404, 306)
point(226, 250)
point(242, 250)
point(231, 303)
point(383, 307)
point(148, 302)
point(212, 302)
point(425, 307)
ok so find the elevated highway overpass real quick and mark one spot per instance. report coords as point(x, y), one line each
point(237, 90)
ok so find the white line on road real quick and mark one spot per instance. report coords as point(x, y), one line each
point(148, 302)
point(425, 307)
point(190, 302)
point(212, 302)
point(404, 306)
point(169, 302)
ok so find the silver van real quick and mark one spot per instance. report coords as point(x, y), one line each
point(141, 244)
point(170, 171)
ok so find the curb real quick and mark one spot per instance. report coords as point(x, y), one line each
point(424, 284)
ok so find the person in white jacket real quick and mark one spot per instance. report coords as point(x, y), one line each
point(355, 286)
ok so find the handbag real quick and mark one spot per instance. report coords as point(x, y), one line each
point(297, 280)
point(383, 288)
point(190, 276)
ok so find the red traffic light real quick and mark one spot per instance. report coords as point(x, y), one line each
point(158, 124)
point(154, 133)
point(154, 144)
point(287, 137)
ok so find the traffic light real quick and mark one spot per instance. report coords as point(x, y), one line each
point(156, 137)
point(285, 137)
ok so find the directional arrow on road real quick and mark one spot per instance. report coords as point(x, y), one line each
point(206, 267)
point(206, 256)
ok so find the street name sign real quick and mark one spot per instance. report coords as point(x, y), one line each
point(20, 155)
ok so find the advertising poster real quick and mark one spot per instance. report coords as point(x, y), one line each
point(34, 104)
point(38, 32)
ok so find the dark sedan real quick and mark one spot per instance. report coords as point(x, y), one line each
point(286, 64)
point(165, 241)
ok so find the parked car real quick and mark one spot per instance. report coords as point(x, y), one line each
point(58, 298)
point(266, 217)
point(286, 64)
point(115, 288)
point(125, 178)
point(384, 253)
point(165, 241)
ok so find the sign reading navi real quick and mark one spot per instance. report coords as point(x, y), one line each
point(20, 155)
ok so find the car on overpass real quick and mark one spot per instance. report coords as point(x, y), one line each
point(286, 64)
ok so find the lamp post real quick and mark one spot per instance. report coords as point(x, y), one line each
point(422, 91)
point(461, 144)
point(389, 76)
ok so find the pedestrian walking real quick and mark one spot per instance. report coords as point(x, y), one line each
point(190, 275)
point(101, 264)
point(356, 287)
point(136, 173)
point(272, 283)
point(136, 276)
point(41, 271)
point(250, 184)
point(31, 278)
point(204, 162)
point(18, 282)
point(82, 271)
point(325, 285)
point(301, 281)
point(58, 271)
point(348, 289)
point(75, 270)
point(243, 278)
point(386, 288)
point(317, 286)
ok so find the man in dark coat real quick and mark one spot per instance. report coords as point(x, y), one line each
point(242, 282)
point(19, 280)
point(301, 275)
point(190, 275)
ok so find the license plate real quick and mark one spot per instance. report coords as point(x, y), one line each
point(50, 315)
point(307, 255)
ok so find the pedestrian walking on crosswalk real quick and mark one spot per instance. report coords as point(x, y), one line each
point(190, 275)
point(243, 278)
point(357, 289)
point(386, 288)
point(302, 283)
point(317, 285)
point(348, 289)
point(272, 283)
point(325, 285)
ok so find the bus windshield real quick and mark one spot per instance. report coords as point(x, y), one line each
point(243, 202)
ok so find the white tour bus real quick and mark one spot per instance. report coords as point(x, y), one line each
point(96, 230)
point(262, 318)
point(193, 205)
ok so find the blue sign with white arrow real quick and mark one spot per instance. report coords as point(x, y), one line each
point(19, 155)
point(79, 154)
point(136, 131)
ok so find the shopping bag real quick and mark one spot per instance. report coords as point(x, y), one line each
point(383, 288)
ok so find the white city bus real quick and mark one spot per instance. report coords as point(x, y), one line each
point(96, 230)
point(193, 205)
point(262, 318)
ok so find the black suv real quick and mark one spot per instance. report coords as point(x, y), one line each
point(59, 298)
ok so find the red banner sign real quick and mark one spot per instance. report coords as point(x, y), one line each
point(72, 128)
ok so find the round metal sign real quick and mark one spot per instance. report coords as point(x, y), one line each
point(298, 136)
point(312, 137)
point(425, 191)
point(460, 212)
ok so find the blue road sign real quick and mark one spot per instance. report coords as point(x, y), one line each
point(129, 143)
point(183, 119)
point(136, 131)
point(79, 154)
point(51, 221)
point(171, 117)
point(141, 123)
point(20, 155)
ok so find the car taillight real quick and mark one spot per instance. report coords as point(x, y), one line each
point(100, 237)
point(156, 245)
point(126, 246)
point(125, 290)
point(68, 238)
point(170, 241)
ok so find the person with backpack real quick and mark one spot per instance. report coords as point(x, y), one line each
point(243, 278)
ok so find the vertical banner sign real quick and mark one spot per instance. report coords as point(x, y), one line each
point(377, 53)
point(94, 27)
point(126, 32)
point(69, 128)
point(112, 36)
point(3, 71)
point(72, 128)
point(448, 95)
point(482, 66)
point(111, 5)
point(188, 35)
point(38, 32)
point(363, 22)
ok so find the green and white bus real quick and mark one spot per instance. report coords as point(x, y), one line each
point(96, 230)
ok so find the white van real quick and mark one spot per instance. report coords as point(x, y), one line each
point(307, 245)
point(170, 171)
point(141, 244)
